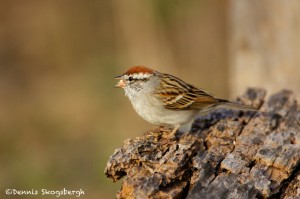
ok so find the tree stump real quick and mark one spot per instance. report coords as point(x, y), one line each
point(227, 154)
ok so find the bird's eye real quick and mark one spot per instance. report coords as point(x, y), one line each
point(130, 78)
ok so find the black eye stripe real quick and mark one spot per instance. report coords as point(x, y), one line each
point(132, 79)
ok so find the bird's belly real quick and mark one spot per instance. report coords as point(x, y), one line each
point(162, 116)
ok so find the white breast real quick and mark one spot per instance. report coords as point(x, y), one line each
point(151, 109)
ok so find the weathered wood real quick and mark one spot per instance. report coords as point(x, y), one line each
point(227, 154)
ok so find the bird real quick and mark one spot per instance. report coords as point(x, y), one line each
point(167, 101)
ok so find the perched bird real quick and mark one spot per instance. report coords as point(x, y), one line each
point(165, 100)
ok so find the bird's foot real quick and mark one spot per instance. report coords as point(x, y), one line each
point(162, 132)
point(172, 134)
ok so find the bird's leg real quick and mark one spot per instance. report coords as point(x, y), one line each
point(162, 129)
point(173, 131)
point(157, 131)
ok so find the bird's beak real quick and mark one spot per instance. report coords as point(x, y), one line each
point(118, 77)
point(121, 83)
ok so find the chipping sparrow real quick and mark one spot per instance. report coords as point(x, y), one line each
point(165, 100)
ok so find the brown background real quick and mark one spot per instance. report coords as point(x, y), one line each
point(61, 118)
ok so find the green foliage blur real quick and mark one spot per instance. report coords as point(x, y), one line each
point(60, 115)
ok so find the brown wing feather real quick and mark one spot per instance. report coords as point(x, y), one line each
point(203, 100)
point(179, 95)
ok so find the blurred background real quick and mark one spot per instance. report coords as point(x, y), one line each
point(60, 115)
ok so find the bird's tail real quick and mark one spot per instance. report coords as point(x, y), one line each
point(228, 105)
point(235, 106)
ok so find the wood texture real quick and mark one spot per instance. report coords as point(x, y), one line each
point(227, 154)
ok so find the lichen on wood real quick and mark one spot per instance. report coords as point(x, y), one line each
point(226, 154)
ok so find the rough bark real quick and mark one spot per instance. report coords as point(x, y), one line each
point(227, 154)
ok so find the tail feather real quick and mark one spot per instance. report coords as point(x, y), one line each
point(228, 105)
point(235, 106)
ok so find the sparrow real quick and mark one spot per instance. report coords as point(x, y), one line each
point(165, 100)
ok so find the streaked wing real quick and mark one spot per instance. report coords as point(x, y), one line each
point(179, 95)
